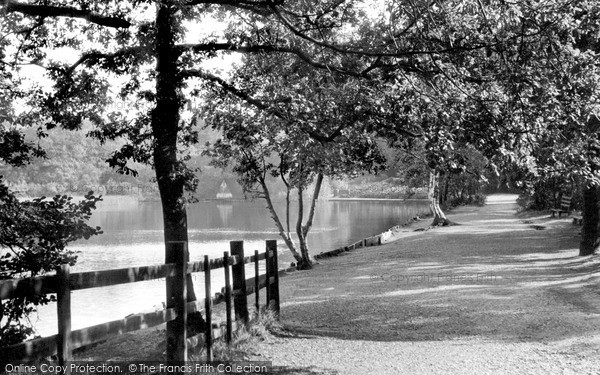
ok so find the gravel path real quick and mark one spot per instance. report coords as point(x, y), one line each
point(499, 294)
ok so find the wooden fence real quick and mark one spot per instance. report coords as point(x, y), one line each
point(175, 314)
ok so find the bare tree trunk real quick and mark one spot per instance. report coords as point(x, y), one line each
point(165, 121)
point(590, 231)
point(301, 255)
point(287, 204)
point(313, 204)
point(433, 194)
point(285, 235)
point(287, 210)
point(446, 188)
point(303, 230)
point(305, 263)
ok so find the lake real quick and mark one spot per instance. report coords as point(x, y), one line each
point(133, 237)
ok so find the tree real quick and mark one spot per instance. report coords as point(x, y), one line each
point(551, 88)
point(309, 125)
point(556, 89)
point(453, 98)
point(450, 124)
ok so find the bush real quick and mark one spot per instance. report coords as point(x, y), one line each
point(477, 199)
point(33, 238)
point(546, 194)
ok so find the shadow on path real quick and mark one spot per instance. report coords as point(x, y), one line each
point(494, 277)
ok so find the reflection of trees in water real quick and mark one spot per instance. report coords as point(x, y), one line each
point(354, 220)
point(336, 223)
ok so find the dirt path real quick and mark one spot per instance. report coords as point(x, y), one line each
point(499, 294)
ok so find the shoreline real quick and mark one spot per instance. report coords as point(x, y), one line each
point(144, 199)
point(376, 199)
point(388, 236)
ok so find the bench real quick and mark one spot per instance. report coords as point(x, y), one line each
point(565, 206)
point(577, 220)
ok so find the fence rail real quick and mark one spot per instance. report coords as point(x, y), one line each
point(175, 315)
point(35, 286)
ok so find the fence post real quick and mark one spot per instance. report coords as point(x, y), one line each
point(240, 299)
point(63, 307)
point(272, 277)
point(267, 276)
point(177, 350)
point(229, 332)
point(208, 309)
point(256, 283)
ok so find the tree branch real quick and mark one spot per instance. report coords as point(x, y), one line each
point(232, 47)
point(244, 4)
point(228, 87)
point(11, 6)
point(363, 52)
point(100, 55)
point(231, 89)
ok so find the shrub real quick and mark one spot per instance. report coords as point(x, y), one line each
point(546, 194)
point(477, 199)
point(33, 239)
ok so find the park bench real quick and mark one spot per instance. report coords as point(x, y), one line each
point(577, 220)
point(565, 206)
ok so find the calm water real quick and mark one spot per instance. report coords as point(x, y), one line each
point(133, 237)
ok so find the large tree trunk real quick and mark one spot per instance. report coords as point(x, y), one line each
point(165, 121)
point(433, 194)
point(590, 231)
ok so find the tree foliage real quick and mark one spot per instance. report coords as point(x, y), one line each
point(33, 237)
point(309, 125)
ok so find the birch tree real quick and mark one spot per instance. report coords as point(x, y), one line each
point(308, 126)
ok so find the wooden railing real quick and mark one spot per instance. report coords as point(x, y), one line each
point(175, 315)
